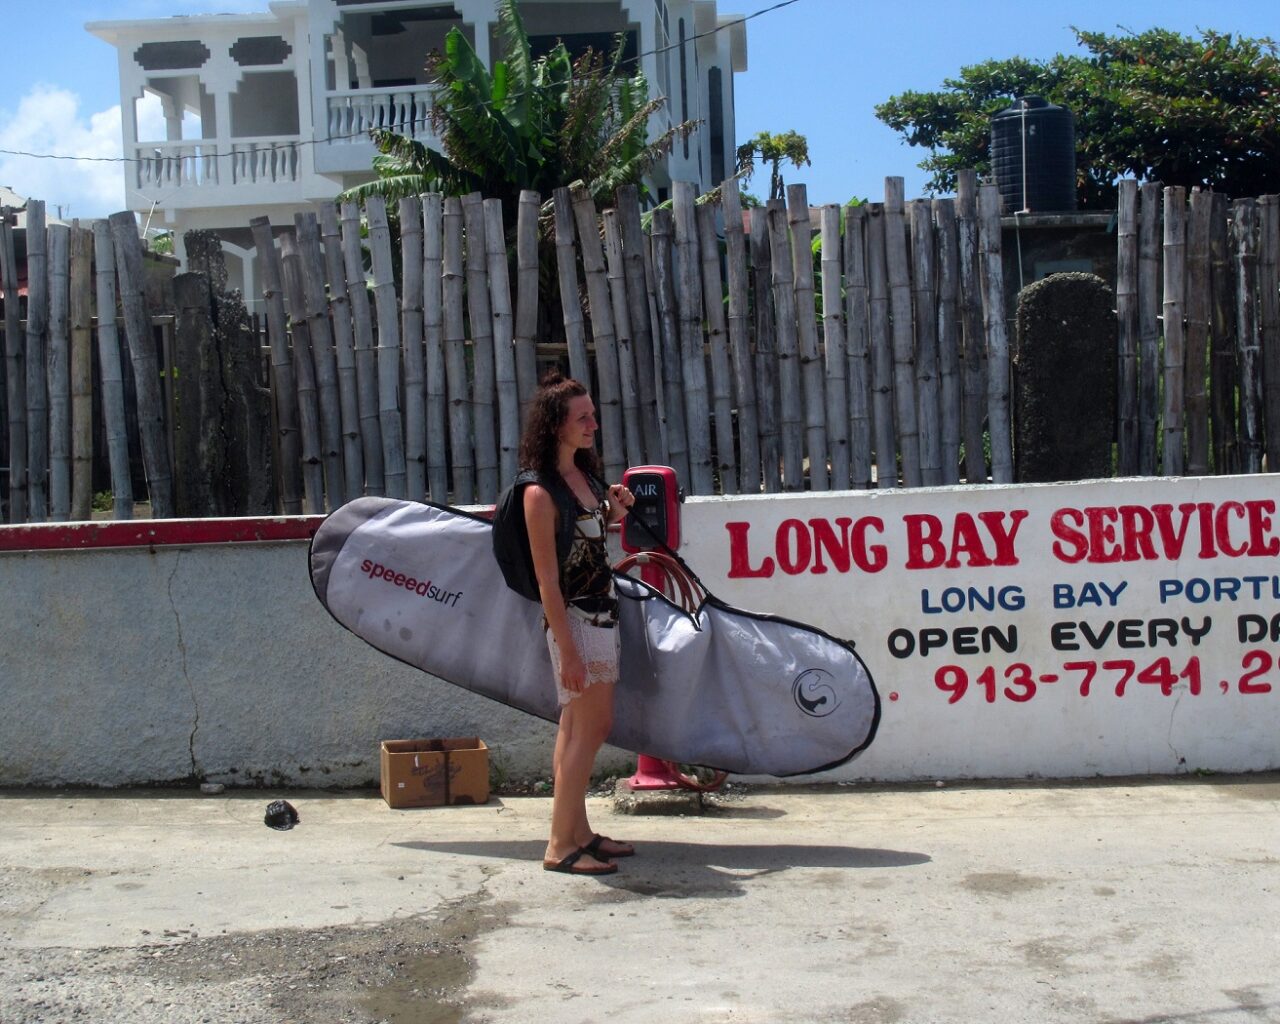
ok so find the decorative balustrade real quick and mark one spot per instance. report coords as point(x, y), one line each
point(353, 114)
point(176, 165)
point(203, 164)
point(264, 161)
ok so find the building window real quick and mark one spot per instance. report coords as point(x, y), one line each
point(715, 102)
point(255, 51)
point(684, 87)
point(182, 53)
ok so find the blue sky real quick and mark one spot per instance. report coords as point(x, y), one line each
point(818, 67)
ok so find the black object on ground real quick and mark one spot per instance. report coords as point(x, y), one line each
point(281, 815)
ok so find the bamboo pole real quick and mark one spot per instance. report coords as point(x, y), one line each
point(412, 293)
point(59, 370)
point(1127, 442)
point(662, 454)
point(1175, 281)
point(766, 355)
point(316, 311)
point(526, 327)
point(1224, 379)
point(1148, 325)
point(1269, 321)
point(790, 422)
point(744, 381)
point(718, 345)
point(628, 386)
point(813, 386)
point(480, 317)
point(461, 444)
point(387, 309)
point(1248, 336)
point(1198, 306)
point(305, 374)
point(433, 329)
point(856, 343)
point(81, 373)
point(344, 349)
point(285, 388)
point(996, 325)
point(836, 357)
point(111, 373)
point(925, 310)
point(669, 341)
point(146, 370)
point(688, 282)
point(37, 362)
point(904, 378)
point(881, 350)
point(504, 355)
point(973, 339)
point(640, 317)
point(366, 355)
point(15, 373)
point(603, 333)
point(944, 223)
point(570, 297)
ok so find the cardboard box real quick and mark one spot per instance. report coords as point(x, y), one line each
point(431, 773)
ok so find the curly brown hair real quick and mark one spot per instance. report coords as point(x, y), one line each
point(540, 442)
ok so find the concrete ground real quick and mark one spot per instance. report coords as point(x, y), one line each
point(1130, 901)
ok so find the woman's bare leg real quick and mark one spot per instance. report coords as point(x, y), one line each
point(584, 725)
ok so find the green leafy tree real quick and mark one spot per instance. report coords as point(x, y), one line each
point(1158, 106)
point(527, 124)
point(772, 150)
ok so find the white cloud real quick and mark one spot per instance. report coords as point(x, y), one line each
point(49, 120)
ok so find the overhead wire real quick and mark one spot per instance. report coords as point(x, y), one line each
point(392, 126)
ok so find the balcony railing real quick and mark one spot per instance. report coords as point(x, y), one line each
point(176, 165)
point(404, 109)
point(205, 163)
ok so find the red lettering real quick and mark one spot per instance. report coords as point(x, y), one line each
point(965, 540)
point(1260, 544)
point(1065, 524)
point(1102, 533)
point(924, 545)
point(994, 522)
point(1205, 509)
point(1172, 540)
point(1222, 529)
point(837, 548)
point(791, 564)
point(1136, 524)
point(871, 558)
point(739, 557)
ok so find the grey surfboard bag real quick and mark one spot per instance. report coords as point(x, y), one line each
point(724, 688)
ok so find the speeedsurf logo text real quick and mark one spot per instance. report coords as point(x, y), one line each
point(423, 588)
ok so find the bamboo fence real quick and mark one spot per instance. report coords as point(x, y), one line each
point(773, 349)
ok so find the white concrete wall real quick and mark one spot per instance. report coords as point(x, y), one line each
point(217, 662)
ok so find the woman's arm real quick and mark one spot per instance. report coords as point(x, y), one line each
point(540, 520)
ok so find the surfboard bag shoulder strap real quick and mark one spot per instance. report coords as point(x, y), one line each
point(511, 533)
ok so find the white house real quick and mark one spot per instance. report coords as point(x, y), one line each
point(234, 116)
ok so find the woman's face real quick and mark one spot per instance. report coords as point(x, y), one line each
point(579, 427)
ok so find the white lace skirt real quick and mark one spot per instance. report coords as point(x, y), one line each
point(598, 646)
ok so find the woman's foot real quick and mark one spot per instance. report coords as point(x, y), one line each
point(577, 862)
point(602, 846)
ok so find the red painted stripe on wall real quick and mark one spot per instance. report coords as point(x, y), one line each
point(156, 533)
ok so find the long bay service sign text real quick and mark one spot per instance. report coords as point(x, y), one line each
point(1064, 630)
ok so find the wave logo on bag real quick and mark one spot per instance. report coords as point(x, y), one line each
point(423, 588)
point(814, 693)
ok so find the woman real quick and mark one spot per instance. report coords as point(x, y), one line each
point(580, 609)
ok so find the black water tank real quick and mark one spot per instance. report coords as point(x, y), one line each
point(1049, 135)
